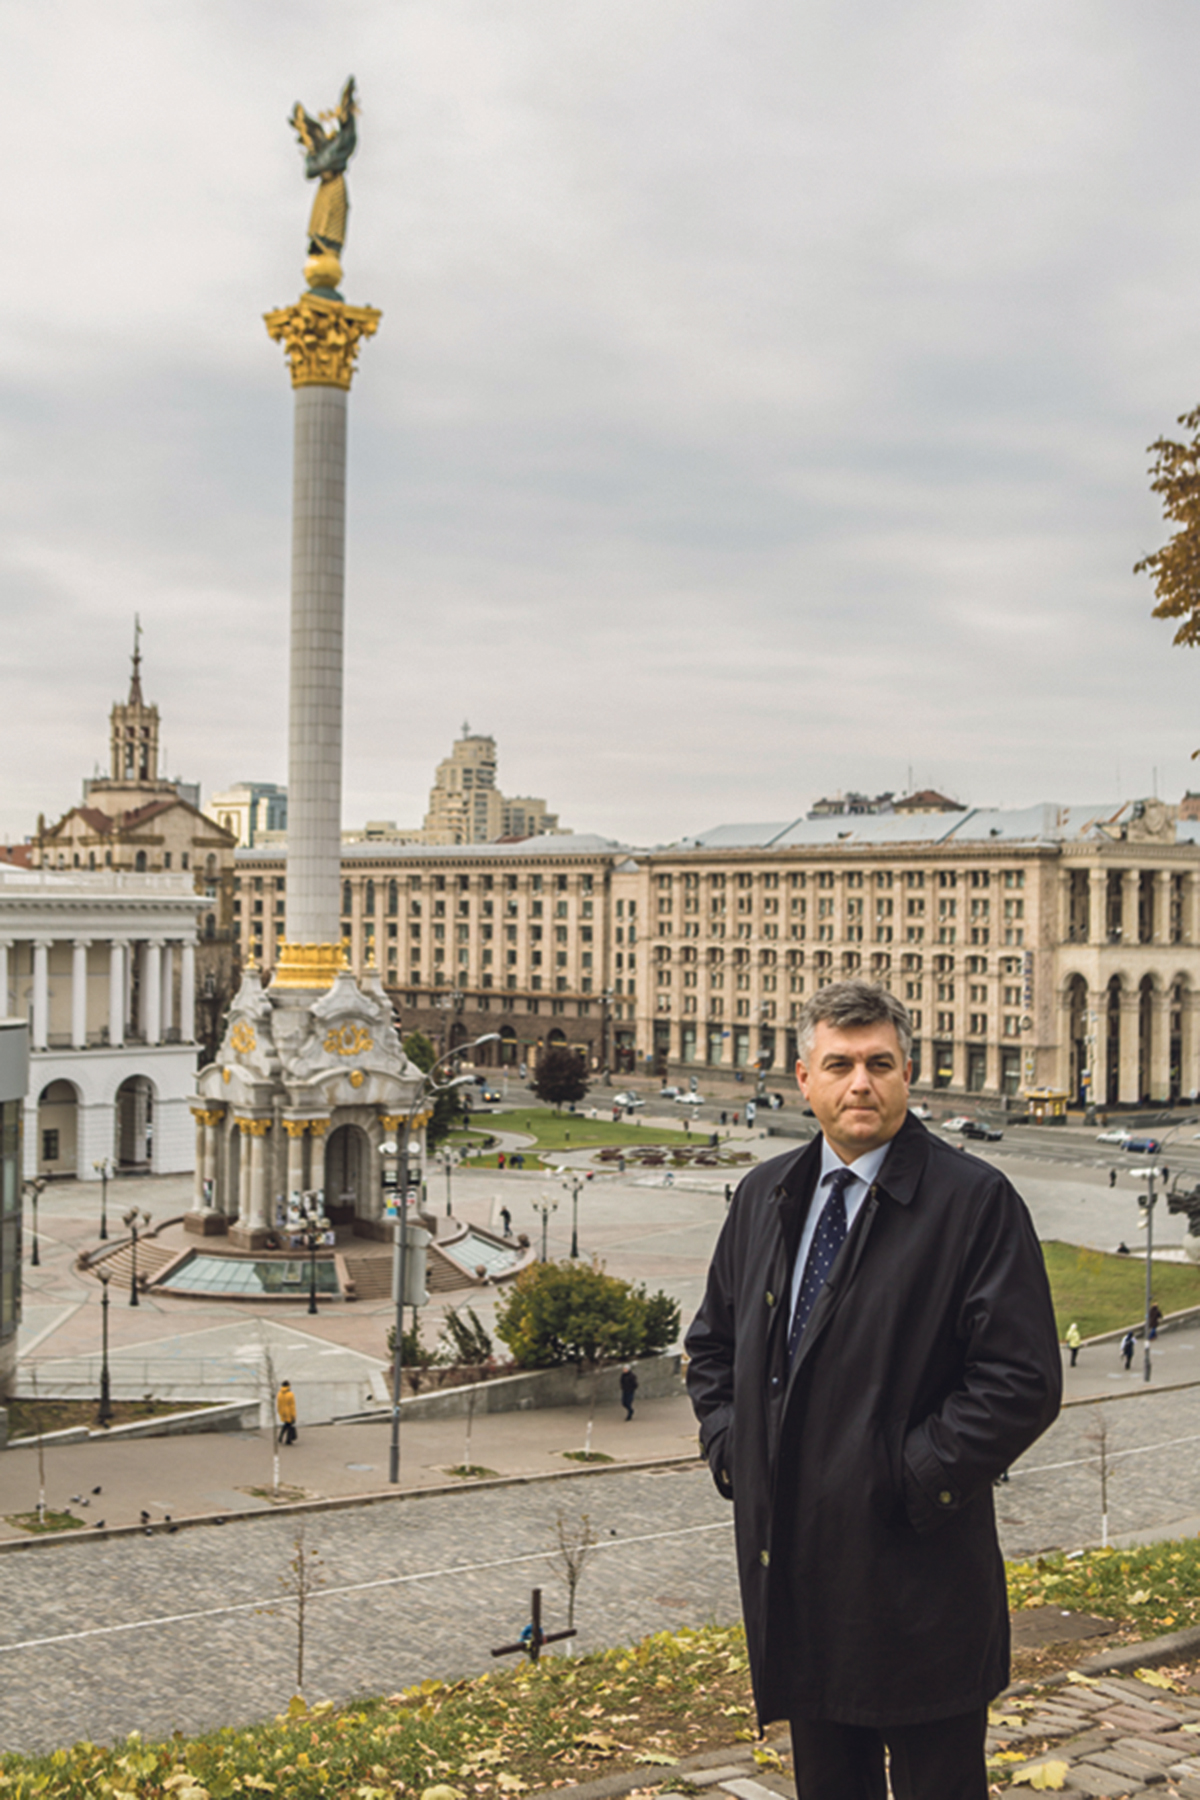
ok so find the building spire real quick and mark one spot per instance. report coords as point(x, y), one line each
point(135, 681)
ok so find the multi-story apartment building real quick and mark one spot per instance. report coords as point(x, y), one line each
point(1050, 947)
point(471, 938)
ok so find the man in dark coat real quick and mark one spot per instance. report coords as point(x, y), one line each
point(876, 1345)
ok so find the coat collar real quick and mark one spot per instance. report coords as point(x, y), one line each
point(902, 1170)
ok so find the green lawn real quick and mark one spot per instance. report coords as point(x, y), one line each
point(1102, 1292)
point(568, 1131)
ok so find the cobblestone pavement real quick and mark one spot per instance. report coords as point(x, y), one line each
point(427, 1585)
point(1109, 1737)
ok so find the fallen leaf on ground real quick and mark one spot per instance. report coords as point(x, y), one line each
point(1043, 1776)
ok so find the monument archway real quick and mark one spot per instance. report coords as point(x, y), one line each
point(347, 1166)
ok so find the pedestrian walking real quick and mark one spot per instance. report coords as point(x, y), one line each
point(285, 1406)
point(1128, 1345)
point(506, 1221)
point(728, 1194)
point(1074, 1339)
point(629, 1387)
point(1154, 1319)
point(875, 1347)
point(500, 1160)
point(1112, 1178)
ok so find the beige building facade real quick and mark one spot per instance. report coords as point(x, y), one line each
point(1050, 947)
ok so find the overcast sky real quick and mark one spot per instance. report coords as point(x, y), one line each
point(760, 406)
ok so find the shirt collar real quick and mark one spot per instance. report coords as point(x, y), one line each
point(865, 1168)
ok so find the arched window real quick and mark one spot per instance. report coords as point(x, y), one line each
point(210, 926)
point(393, 897)
point(210, 866)
point(346, 900)
point(92, 859)
point(369, 907)
point(140, 862)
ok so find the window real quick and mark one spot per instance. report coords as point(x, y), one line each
point(50, 1144)
point(977, 1025)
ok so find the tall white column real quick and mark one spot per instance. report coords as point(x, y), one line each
point(116, 992)
point(5, 947)
point(168, 989)
point(187, 994)
point(152, 993)
point(315, 708)
point(39, 1025)
point(79, 993)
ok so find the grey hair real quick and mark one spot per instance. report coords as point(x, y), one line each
point(850, 1003)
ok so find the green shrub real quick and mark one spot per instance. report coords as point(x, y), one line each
point(569, 1312)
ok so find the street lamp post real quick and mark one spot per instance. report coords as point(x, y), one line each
point(103, 1169)
point(314, 1225)
point(1149, 1176)
point(105, 1390)
point(545, 1206)
point(448, 1164)
point(574, 1184)
point(131, 1220)
point(34, 1190)
point(430, 1088)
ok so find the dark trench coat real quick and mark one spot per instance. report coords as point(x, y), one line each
point(872, 1581)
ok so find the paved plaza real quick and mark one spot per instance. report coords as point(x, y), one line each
point(192, 1629)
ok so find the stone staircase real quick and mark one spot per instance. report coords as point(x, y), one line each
point(118, 1264)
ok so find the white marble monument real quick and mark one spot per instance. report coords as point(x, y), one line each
point(310, 1077)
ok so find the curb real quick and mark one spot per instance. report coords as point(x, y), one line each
point(342, 1502)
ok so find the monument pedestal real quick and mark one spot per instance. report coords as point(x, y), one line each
point(205, 1224)
point(250, 1237)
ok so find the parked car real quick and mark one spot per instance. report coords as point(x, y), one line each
point(988, 1134)
point(628, 1100)
point(1141, 1146)
point(669, 1093)
point(1117, 1135)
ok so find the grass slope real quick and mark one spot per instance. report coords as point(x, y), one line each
point(1104, 1293)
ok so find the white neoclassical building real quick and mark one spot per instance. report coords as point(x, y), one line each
point(103, 966)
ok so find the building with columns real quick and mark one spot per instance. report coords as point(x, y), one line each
point(103, 966)
point(1043, 947)
point(136, 821)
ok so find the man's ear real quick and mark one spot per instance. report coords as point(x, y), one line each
point(802, 1078)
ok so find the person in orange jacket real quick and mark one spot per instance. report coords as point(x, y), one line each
point(285, 1406)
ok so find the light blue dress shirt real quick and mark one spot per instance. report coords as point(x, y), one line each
point(864, 1171)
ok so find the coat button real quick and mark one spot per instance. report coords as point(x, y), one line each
point(945, 1498)
point(774, 1381)
point(770, 1298)
point(764, 1557)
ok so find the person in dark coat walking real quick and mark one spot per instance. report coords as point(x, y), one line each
point(875, 1346)
point(629, 1387)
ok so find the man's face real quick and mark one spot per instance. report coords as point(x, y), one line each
point(856, 1082)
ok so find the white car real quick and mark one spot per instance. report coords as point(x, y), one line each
point(628, 1100)
point(689, 1100)
point(921, 1111)
point(956, 1124)
point(1115, 1136)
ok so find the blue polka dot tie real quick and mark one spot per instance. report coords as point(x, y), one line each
point(828, 1239)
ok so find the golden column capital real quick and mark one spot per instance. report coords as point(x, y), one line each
point(254, 1127)
point(319, 1127)
point(295, 1128)
point(208, 1115)
point(321, 337)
